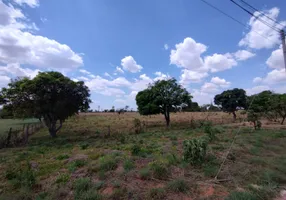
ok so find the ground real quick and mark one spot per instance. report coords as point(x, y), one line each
point(110, 156)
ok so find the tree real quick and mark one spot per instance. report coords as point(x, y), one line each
point(231, 100)
point(278, 104)
point(49, 96)
point(126, 108)
point(162, 97)
point(112, 109)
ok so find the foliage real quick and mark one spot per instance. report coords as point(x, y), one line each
point(241, 196)
point(107, 163)
point(162, 97)
point(278, 104)
point(192, 107)
point(231, 100)
point(156, 194)
point(159, 170)
point(254, 118)
point(63, 178)
point(194, 151)
point(178, 185)
point(210, 131)
point(137, 125)
point(49, 96)
point(76, 164)
point(84, 190)
point(145, 174)
point(128, 165)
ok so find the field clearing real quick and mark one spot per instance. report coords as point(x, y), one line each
point(83, 162)
point(16, 124)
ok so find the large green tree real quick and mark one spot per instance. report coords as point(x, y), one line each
point(278, 105)
point(231, 100)
point(50, 97)
point(162, 97)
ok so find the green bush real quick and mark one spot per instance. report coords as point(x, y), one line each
point(83, 145)
point(128, 165)
point(107, 163)
point(63, 178)
point(145, 174)
point(211, 133)
point(156, 194)
point(82, 185)
point(172, 159)
point(62, 157)
point(159, 170)
point(137, 126)
point(135, 150)
point(76, 164)
point(194, 151)
point(178, 185)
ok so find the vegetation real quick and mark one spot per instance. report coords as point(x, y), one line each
point(49, 96)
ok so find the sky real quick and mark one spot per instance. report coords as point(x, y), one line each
point(118, 47)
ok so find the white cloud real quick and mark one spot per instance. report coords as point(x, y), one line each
point(120, 81)
point(220, 82)
point(189, 76)
point(82, 78)
point(142, 83)
point(253, 38)
point(219, 62)
point(31, 3)
point(166, 46)
point(119, 70)
point(276, 60)
point(16, 71)
point(4, 80)
point(107, 74)
point(17, 45)
point(209, 88)
point(84, 71)
point(243, 55)
point(188, 55)
point(257, 80)
point(120, 101)
point(202, 97)
point(275, 76)
point(257, 89)
point(129, 64)
point(161, 76)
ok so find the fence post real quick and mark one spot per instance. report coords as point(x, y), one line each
point(9, 137)
point(27, 134)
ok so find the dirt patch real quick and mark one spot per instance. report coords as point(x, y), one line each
point(141, 163)
point(79, 173)
point(107, 191)
point(77, 157)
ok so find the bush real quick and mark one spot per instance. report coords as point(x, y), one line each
point(178, 185)
point(63, 178)
point(172, 159)
point(76, 164)
point(128, 165)
point(107, 163)
point(137, 126)
point(145, 174)
point(82, 185)
point(156, 194)
point(159, 169)
point(62, 157)
point(211, 133)
point(135, 150)
point(194, 151)
point(83, 145)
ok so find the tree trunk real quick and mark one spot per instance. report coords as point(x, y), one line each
point(283, 119)
point(234, 115)
point(167, 118)
point(52, 132)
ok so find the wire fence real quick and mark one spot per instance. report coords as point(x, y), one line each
point(17, 137)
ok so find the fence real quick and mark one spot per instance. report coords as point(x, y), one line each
point(18, 137)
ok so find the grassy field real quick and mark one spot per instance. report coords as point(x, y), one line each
point(16, 124)
point(83, 163)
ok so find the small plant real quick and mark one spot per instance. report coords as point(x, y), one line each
point(254, 118)
point(135, 150)
point(63, 179)
point(82, 185)
point(194, 151)
point(90, 195)
point(62, 157)
point(98, 185)
point(137, 126)
point(173, 159)
point(145, 174)
point(211, 133)
point(159, 169)
point(128, 165)
point(156, 194)
point(178, 185)
point(107, 163)
point(76, 164)
point(83, 145)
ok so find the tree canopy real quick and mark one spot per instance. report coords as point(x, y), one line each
point(162, 97)
point(231, 100)
point(49, 96)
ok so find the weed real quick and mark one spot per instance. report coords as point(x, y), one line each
point(159, 170)
point(98, 185)
point(119, 193)
point(241, 196)
point(145, 174)
point(73, 166)
point(81, 186)
point(135, 150)
point(107, 163)
point(178, 185)
point(62, 157)
point(63, 178)
point(90, 195)
point(194, 151)
point(128, 165)
point(101, 175)
point(137, 126)
point(156, 194)
point(172, 159)
point(116, 183)
point(83, 145)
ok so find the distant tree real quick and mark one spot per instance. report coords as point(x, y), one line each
point(112, 109)
point(231, 100)
point(49, 96)
point(161, 97)
point(191, 107)
point(126, 108)
point(278, 104)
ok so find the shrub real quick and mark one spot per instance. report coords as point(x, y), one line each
point(194, 151)
point(107, 163)
point(211, 133)
point(128, 165)
point(156, 194)
point(135, 150)
point(83, 145)
point(90, 195)
point(172, 159)
point(145, 174)
point(82, 185)
point(137, 126)
point(159, 169)
point(63, 178)
point(76, 164)
point(178, 185)
point(62, 157)
point(98, 185)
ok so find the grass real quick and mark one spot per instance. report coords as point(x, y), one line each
point(147, 165)
point(16, 124)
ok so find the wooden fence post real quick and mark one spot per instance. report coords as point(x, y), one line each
point(27, 134)
point(9, 137)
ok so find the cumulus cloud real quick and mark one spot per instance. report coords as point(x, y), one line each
point(166, 46)
point(220, 82)
point(243, 55)
point(107, 75)
point(257, 80)
point(15, 70)
point(119, 70)
point(276, 60)
point(209, 88)
point(189, 76)
point(129, 64)
point(256, 41)
point(17, 45)
point(31, 3)
point(219, 62)
point(257, 89)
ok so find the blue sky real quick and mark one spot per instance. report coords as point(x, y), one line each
point(118, 47)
